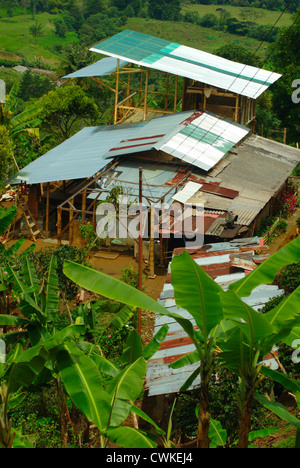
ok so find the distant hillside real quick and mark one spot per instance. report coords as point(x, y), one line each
point(46, 49)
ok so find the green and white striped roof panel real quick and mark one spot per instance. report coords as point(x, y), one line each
point(180, 60)
point(202, 140)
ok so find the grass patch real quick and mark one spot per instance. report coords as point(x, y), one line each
point(16, 40)
point(191, 35)
point(268, 16)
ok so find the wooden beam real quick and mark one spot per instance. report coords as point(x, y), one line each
point(71, 214)
point(117, 92)
point(83, 205)
point(176, 93)
point(146, 95)
point(59, 233)
point(47, 206)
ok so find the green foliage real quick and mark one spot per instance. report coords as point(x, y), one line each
point(63, 110)
point(6, 152)
point(36, 30)
point(33, 86)
point(164, 9)
point(238, 54)
point(289, 277)
point(42, 258)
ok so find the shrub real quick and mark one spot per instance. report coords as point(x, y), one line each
point(42, 258)
point(289, 278)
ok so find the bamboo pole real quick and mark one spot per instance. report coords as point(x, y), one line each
point(146, 94)
point(47, 206)
point(176, 93)
point(140, 243)
point(117, 92)
point(151, 256)
point(83, 205)
point(236, 112)
point(71, 214)
point(167, 91)
point(59, 226)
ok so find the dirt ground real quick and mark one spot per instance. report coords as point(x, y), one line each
point(153, 287)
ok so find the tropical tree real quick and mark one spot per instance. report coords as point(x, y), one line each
point(40, 352)
point(18, 124)
point(243, 335)
point(63, 110)
point(6, 152)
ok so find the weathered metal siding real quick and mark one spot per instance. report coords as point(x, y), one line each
point(216, 260)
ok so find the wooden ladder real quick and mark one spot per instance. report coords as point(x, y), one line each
point(31, 223)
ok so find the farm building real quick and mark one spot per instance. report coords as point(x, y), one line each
point(196, 148)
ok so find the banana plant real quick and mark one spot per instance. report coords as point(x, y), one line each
point(196, 292)
point(220, 318)
point(255, 335)
point(278, 408)
point(24, 122)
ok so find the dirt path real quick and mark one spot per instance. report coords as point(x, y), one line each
point(288, 236)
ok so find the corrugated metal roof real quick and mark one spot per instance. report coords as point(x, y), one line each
point(203, 140)
point(156, 180)
point(103, 67)
point(185, 61)
point(215, 259)
point(84, 154)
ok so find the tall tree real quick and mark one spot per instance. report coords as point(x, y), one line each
point(164, 9)
point(63, 110)
point(285, 59)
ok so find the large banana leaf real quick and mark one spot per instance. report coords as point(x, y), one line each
point(125, 389)
point(52, 290)
point(27, 305)
point(254, 325)
point(130, 437)
point(84, 385)
point(196, 292)
point(105, 285)
point(154, 345)
point(11, 251)
point(30, 277)
point(266, 271)
point(6, 217)
point(104, 365)
point(283, 413)
point(133, 349)
point(285, 317)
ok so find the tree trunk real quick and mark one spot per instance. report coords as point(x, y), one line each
point(64, 414)
point(204, 417)
point(245, 422)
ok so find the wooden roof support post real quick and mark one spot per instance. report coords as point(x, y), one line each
point(151, 253)
point(236, 113)
point(140, 243)
point(59, 226)
point(83, 205)
point(176, 93)
point(146, 94)
point(117, 92)
point(167, 91)
point(71, 230)
point(47, 207)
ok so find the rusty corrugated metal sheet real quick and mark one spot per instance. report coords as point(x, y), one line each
point(217, 261)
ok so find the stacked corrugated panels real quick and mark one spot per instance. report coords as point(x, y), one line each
point(226, 263)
